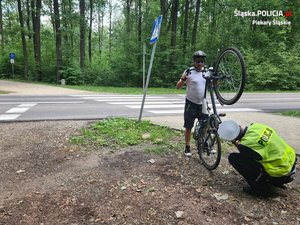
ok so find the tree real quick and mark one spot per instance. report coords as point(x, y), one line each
point(195, 26)
point(82, 34)
point(186, 24)
point(124, 25)
point(110, 11)
point(90, 30)
point(36, 6)
point(100, 28)
point(25, 54)
point(174, 28)
point(1, 28)
point(57, 40)
point(139, 33)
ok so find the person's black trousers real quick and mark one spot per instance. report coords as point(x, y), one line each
point(250, 169)
point(254, 173)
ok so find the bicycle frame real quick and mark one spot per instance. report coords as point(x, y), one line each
point(210, 78)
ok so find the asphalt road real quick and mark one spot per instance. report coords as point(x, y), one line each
point(98, 106)
point(31, 102)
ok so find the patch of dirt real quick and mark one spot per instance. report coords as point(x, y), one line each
point(46, 180)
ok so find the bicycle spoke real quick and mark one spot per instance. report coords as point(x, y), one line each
point(231, 71)
point(230, 82)
point(208, 144)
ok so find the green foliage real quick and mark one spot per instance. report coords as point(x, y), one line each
point(271, 52)
point(121, 132)
point(291, 113)
point(72, 76)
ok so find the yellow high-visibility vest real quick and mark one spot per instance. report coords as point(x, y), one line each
point(278, 157)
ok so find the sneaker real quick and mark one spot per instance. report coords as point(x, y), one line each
point(187, 151)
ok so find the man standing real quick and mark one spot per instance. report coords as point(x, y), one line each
point(195, 83)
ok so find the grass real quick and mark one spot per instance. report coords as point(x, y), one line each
point(295, 113)
point(121, 132)
point(127, 90)
point(3, 92)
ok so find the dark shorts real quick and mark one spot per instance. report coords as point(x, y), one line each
point(191, 112)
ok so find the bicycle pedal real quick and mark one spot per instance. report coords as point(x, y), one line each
point(222, 114)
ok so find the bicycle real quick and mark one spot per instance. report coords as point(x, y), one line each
point(227, 80)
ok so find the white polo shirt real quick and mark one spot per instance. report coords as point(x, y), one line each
point(195, 84)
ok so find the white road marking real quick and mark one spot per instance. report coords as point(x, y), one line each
point(22, 107)
point(149, 106)
point(9, 116)
point(26, 105)
point(119, 97)
point(219, 110)
point(155, 104)
point(17, 110)
point(146, 103)
point(110, 101)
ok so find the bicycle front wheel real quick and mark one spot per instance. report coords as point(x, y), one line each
point(209, 145)
point(231, 72)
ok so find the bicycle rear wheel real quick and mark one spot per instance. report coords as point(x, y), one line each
point(231, 70)
point(209, 145)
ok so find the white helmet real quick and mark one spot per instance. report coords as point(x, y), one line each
point(229, 130)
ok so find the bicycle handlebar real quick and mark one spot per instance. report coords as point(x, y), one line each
point(210, 74)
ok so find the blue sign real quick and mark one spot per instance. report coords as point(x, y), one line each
point(155, 29)
point(12, 55)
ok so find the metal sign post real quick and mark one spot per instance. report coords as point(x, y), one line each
point(153, 40)
point(12, 57)
point(144, 60)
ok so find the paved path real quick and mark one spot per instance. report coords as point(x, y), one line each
point(19, 88)
point(287, 127)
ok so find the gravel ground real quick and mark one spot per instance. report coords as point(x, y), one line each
point(47, 180)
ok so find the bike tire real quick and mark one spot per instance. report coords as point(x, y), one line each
point(231, 70)
point(209, 145)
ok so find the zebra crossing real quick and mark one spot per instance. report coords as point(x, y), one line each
point(164, 104)
point(15, 112)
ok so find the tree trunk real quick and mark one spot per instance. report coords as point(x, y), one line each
point(174, 12)
point(186, 24)
point(163, 8)
point(128, 4)
point(57, 40)
point(140, 22)
point(32, 3)
point(36, 24)
point(71, 25)
point(82, 34)
point(174, 23)
point(64, 21)
point(28, 18)
point(25, 55)
point(195, 27)
point(1, 28)
point(110, 26)
point(90, 30)
point(100, 29)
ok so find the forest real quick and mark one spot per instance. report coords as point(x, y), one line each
point(101, 42)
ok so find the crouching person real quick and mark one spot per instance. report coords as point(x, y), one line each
point(264, 158)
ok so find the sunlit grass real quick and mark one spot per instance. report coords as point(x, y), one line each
point(127, 90)
point(295, 113)
point(121, 132)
